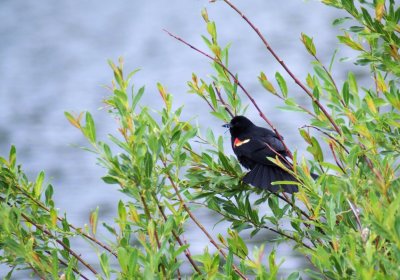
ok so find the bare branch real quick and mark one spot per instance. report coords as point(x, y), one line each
point(283, 64)
point(194, 219)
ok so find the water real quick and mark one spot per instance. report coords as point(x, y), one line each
point(53, 59)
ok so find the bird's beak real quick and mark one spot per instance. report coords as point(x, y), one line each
point(227, 125)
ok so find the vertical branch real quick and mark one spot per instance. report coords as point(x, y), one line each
point(283, 64)
point(241, 87)
point(178, 239)
point(36, 271)
point(148, 214)
point(221, 99)
point(40, 204)
point(202, 228)
point(336, 159)
point(48, 233)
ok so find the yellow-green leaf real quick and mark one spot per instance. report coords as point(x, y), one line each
point(266, 84)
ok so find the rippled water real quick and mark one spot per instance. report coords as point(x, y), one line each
point(53, 59)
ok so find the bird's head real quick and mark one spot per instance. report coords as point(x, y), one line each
point(238, 125)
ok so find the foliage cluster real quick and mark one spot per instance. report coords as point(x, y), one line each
point(346, 223)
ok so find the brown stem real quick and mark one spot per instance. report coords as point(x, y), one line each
point(325, 133)
point(356, 213)
point(264, 226)
point(293, 205)
point(241, 87)
point(38, 203)
point(332, 80)
point(287, 236)
point(283, 64)
point(202, 228)
point(208, 103)
point(336, 159)
point(74, 269)
point(47, 232)
point(36, 271)
point(147, 212)
point(178, 239)
point(221, 99)
point(373, 169)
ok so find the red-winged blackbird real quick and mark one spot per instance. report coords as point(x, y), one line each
point(249, 142)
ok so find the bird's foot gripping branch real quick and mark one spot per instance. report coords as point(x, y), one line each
point(346, 222)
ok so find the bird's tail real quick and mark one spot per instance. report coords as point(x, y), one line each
point(262, 176)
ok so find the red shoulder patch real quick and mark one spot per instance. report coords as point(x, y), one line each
point(237, 142)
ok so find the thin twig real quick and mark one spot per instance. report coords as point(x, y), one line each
point(325, 133)
point(283, 64)
point(66, 247)
point(147, 213)
point(332, 80)
point(293, 205)
point(221, 99)
point(263, 226)
point(241, 87)
point(336, 159)
point(208, 103)
point(178, 239)
point(202, 228)
point(287, 236)
point(74, 269)
point(356, 213)
point(36, 271)
point(78, 231)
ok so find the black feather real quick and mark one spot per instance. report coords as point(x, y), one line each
point(262, 176)
point(252, 146)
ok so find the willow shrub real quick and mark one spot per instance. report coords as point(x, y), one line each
point(346, 223)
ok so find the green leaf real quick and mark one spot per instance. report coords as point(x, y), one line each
point(397, 226)
point(266, 84)
point(315, 150)
point(367, 17)
point(181, 250)
point(211, 29)
point(12, 158)
point(272, 265)
point(347, 40)
point(331, 215)
point(53, 217)
point(213, 97)
point(321, 73)
point(306, 136)
point(282, 84)
point(90, 128)
point(9, 274)
point(123, 258)
point(93, 220)
point(228, 264)
point(37, 189)
point(110, 179)
point(346, 93)
point(122, 215)
point(294, 276)
point(274, 206)
point(105, 266)
point(237, 244)
point(148, 164)
point(137, 97)
point(48, 194)
point(339, 21)
point(309, 44)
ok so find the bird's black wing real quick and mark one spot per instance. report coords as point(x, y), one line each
point(256, 146)
point(268, 136)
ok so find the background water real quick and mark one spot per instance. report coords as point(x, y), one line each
point(53, 59)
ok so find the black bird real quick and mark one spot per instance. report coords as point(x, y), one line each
point(250, 145)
